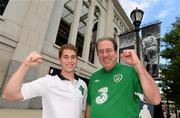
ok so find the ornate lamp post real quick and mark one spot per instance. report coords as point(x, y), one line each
point(136, 17)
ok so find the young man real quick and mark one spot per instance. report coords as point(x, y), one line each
point(115, 90)
point(63, 95)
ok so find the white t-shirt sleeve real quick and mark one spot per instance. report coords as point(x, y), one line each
point(35, 88)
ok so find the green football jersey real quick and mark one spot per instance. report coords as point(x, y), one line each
point(111, 94)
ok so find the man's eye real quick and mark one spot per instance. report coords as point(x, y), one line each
point(109, 50)
point(65, 57)
point(100, 51)
point(73, 57)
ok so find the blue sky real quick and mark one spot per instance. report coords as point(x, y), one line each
point(163, 10)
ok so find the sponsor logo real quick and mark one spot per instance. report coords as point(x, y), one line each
point(103, 96)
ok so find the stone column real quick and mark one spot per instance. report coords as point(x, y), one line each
point(34, 28)
point(88, 32)
point(109, 19)
point(100, 32)
point(75, 23)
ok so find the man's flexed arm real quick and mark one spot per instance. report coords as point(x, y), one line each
point(12, 90)
point(150, 88)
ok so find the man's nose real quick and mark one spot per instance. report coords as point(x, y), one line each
point(69, 59)
point(105, 54)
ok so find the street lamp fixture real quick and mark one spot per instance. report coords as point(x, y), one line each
point(136, 17)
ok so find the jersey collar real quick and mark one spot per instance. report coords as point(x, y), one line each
point(63, 78)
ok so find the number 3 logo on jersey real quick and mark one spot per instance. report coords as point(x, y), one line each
point(103, 96)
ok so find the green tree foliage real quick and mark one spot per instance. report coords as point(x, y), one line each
point(171, 70)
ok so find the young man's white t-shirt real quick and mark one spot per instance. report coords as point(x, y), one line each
point(60, 98)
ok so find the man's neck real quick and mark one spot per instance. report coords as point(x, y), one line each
point(68, 75)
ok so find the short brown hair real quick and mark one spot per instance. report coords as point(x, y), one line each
point(111, 39)
point(67, 46)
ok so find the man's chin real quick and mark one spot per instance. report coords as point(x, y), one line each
point(107, 68)
point(70, 70)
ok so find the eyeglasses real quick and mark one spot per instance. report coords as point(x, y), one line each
point(107, 51)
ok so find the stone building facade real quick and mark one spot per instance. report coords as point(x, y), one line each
point(44, 25)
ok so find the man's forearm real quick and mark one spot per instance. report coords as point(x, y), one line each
point(87, 111)
point(150, 88)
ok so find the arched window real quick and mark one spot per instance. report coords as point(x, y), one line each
point(115, 33)
point(92, 44)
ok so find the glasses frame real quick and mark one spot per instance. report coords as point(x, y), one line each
point(108, 51)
